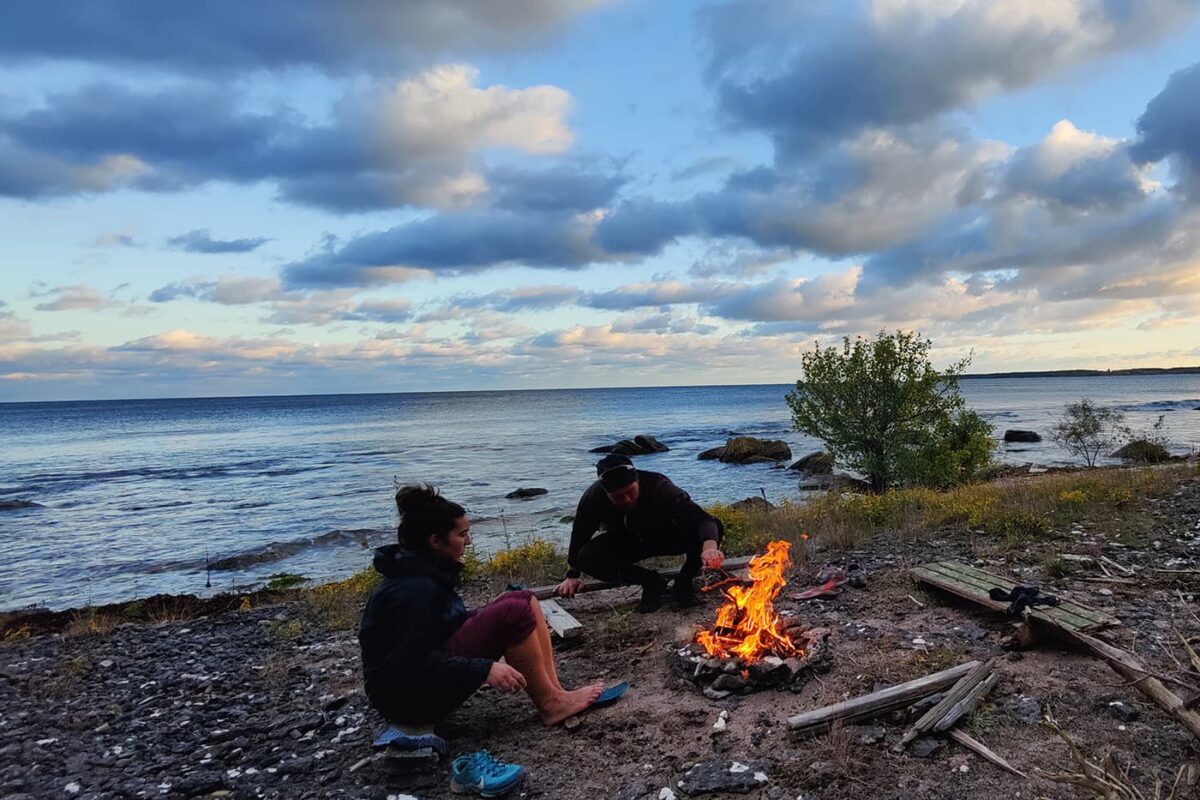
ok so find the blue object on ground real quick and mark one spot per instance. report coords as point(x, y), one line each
point(479, 772)
point(395, 738)
point(610, 695)
point(515, 587)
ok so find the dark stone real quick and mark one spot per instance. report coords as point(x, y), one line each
point(1024, 708)
point(818, 463)
point(711, 454)
point(753, 503)
point(740, 449)
point(836, 482)
point(1022, 436)
point(1123, 711)
point(640, 445)
point(12, 505)
point(633, 792)
point(714, 777)
point(1141, 451)
point(297, 766)
point(864, 734)
point(926, 746)
point(199, 783)
point(728, 683)
point(523, 494)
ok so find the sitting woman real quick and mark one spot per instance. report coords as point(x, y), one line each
point(424, 654)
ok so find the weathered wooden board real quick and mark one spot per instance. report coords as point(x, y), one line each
point(547, 592)
point(881, 702)
point(561, 623)
point(973, 584)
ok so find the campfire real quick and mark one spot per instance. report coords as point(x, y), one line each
point(751, 645)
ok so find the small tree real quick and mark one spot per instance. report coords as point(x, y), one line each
point(883, 410)
point(1087, 429)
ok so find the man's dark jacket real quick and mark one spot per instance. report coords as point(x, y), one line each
point(412, 612)
point(664, 513)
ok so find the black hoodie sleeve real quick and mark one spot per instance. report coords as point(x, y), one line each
point(587, 522)
point(403, 618)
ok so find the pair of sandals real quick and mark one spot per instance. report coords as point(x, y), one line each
point(831, 578)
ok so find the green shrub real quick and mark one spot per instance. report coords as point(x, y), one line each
point(882, 410)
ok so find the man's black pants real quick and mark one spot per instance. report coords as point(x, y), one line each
point(613, 557)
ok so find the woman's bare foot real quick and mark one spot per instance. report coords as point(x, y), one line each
point(567, 704)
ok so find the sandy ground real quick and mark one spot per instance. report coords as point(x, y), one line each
point(248, 704)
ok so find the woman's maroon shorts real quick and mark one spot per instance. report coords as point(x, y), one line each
point(489, 631)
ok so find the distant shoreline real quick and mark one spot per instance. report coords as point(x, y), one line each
point(1088, 373)
point(1061, 373)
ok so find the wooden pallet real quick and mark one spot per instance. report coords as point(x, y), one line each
point(973, 584)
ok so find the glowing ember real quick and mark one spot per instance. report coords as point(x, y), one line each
point(747, 626)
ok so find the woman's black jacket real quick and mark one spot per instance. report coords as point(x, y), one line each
point(409, 616)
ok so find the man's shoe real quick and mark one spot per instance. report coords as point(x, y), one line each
point(652, 596)
point(484, 775)
point(684, 596)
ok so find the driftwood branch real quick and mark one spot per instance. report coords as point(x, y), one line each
point(958, 701)
point(980, 749)
point(881, 702)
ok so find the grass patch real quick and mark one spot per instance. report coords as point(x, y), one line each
point(338, 605)
point(1011, 511)
point(91, 622)
point(285, 580)
point(534, 563)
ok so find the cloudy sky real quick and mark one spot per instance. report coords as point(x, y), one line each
point(294, 196)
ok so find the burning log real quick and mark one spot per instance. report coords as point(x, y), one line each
point(750, 645)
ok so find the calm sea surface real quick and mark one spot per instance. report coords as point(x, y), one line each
point(138, 494)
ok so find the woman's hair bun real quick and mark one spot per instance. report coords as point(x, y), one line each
point(416, 499)
point(424, 513)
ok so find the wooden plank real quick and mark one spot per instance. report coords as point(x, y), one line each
point(973, 584)
point(962, 690)
point(881, 702)
point(1067, 612)
point(563, 624)
point(967, 704)
point(547, 592)
point(984, 581)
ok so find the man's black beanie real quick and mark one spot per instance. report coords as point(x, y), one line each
point(615, 471)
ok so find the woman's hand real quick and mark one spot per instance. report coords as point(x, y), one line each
point(711, 555)
point(568, 587)
point(504, 678)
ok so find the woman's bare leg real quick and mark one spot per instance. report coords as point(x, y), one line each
point(544, 641)
point(554, 704)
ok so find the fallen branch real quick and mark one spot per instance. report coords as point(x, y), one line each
point(980, 749)
point(1107, 781)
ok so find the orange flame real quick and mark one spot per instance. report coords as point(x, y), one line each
point(747, 626)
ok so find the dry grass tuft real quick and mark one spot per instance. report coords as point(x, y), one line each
point(1107, 780)
point(90, 622)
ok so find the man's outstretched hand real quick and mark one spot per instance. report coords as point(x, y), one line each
point(711, 555)
point(568, 587)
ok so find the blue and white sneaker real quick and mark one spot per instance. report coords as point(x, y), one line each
point(395, 739)
point(484, 775)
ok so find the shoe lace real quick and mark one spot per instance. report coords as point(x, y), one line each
point(487, 765)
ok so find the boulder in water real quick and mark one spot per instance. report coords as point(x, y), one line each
point(751, 450)
point(1021, 436)
point(711, 454)
point(640, 445)
point(525, 494)
point(818, 463)
point(833, 482)
point(1141, 451)
point(753, 504)
point(12, 505)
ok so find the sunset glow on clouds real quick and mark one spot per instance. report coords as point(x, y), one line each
point(372, 196)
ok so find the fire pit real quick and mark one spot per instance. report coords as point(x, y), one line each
point(752, 646)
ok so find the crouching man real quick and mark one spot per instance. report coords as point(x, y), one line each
point(641, 514)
